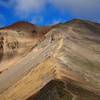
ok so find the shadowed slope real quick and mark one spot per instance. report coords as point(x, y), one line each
point(58, 90)
point(54, 90)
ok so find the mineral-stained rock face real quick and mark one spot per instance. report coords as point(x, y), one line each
point(60, 63)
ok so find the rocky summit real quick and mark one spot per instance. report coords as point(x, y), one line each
point(60, 62)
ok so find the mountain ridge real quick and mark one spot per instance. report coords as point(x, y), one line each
point(65, 55)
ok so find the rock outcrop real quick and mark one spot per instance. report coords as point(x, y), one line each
point(61, 64)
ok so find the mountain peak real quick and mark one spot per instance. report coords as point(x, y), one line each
point(22, 25)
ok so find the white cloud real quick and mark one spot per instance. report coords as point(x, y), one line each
point(56, 21)
point(26, 7)
point(78, 6)
point(37, 19)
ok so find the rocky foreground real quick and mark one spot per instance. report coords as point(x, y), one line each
point(61, 62)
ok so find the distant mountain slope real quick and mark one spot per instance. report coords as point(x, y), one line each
point(60, 63)
point(27, 28)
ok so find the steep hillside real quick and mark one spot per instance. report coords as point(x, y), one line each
point(62, 64)
point(17, 40)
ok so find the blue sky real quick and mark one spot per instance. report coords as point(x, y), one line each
point(48, 12)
